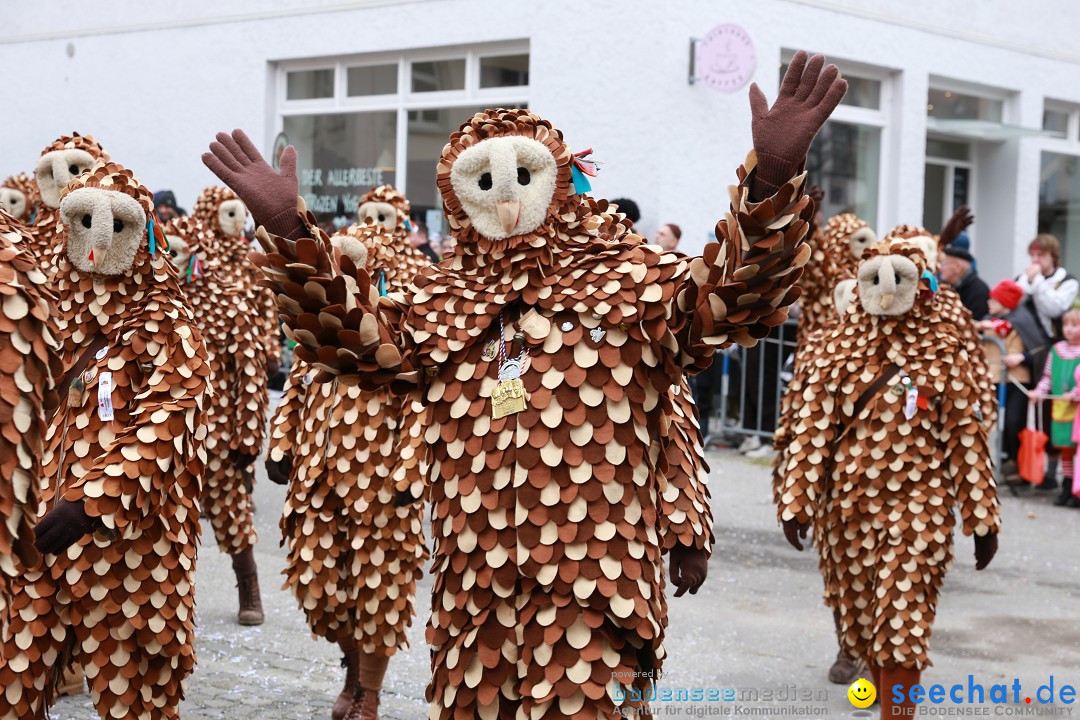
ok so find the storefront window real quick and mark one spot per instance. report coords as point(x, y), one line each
point(504, 71)
point(372, 80)
point(845, 161)
point(949, 105)
point(309, 84)
point(1059, 202)
point(340, 157)
point(1056, 121)
point(438, 76)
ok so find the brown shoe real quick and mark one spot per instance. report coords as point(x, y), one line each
point(845, 670)
point(71, 682)
point(349, 661)
point(365, 705)
point(247, 583)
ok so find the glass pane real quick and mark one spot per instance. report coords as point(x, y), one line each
point(429, 130)
point(372, 80)
point(961, 187)
point(933, 216)
point(862, 92)
point(504, 71)
point(1059, 203)
point(949, 105)
point(309, 84)
point(1056, 121)
point(440, 75)
point(845, 161)
point(341, 157)
point(947, 149)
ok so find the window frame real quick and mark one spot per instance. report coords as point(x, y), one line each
point(404, 100)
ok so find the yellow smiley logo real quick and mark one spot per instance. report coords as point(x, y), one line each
point(862, 693)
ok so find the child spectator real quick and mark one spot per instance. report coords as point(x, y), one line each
point(1025, 349)
point(1059, 381)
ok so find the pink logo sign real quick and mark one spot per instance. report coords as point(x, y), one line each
point(726, 58)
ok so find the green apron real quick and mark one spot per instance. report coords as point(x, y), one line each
point(1062, 412)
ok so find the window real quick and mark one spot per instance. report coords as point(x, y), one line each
point(387, 120)
point(845, 158)
point(1059, 202)
point(950, 105)
point(1056, 121)
point(309, 84)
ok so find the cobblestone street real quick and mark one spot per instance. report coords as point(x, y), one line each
point(757, 624)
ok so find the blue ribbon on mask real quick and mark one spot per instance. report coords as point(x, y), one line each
point(150, 233)
point(932, 281)
point(408, 225)
point(581, 183)
point(382, 284)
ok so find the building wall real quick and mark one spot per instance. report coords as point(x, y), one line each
point(154, 81)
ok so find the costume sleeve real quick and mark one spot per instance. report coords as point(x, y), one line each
point(244, 364)
point(968, 452)
point(1046, 381)
point(741, 286)
point(800, 471)
point(153, 467)
point(410, 471)
point(1054, 300)
point(685, 513)
point(286, 421)
point(333, 311)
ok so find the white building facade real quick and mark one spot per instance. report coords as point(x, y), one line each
point(964, 102)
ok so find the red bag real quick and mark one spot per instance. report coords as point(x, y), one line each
point(1031, 460)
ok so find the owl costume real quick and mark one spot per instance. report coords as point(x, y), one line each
point(19, 197)
point(121, 470)
point(885, 442)
point(235, 417)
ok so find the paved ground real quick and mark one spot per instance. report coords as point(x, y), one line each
point(757, 623)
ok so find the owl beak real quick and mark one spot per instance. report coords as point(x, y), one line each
point(886, 300)
point(509, 211)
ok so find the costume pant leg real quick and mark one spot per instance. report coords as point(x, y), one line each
point(227, 502)
point(35, 650)
point(1016, 405)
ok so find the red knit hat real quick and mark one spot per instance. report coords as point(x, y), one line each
point(1008, 293)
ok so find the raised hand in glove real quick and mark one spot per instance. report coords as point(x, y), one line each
point(268, 194)
point(783, 133)
point(689, 566)
point(279, 470)
point(62, 527)
point(985, 548)
point(243, 457)
point(960, 220)
point(793, 531)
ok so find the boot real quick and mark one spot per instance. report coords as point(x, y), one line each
point(1065, 495)
point(371, 669)
point(1050, 479)
point(844, 670)
point(905, 677)
point(247, 581)
point(350, 660)
point(71, 682)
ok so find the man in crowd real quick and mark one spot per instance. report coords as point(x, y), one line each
point(958, 272)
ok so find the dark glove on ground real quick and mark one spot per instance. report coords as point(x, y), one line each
point(793, 531)
point(62, 527)
point(689, 566)
point(985, 548)
point(783, 133)
point(268, 194)
point(279, 470)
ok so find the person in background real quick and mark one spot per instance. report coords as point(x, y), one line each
point(165, 208)
point(1059, 381)
point(1047, 286)
point(418, 236)
point(628, 208)
point(1025, 350)
point(957, 271)
point(668, 236)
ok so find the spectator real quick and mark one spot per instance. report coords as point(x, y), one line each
point(668, 236)
point(1047, 286)
point(1059, 382)
point(957, 271)
point(628, 208)
point(1025, 350)
point(418, 236)
point(165, 206)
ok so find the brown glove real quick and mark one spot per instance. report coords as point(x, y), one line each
point(985, 548)
point(273, 366)
point(279, 470)
point(960, 220)
point(793, 531)
point(783, 133)
point(243, 457)
point(62, 527)
point(268, 194)
point(689, 566)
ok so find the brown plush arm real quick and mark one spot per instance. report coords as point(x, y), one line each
point(685, 512)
